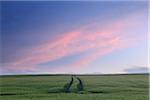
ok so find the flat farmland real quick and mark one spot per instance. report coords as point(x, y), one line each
point(96, 87)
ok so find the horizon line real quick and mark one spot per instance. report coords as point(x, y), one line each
point(63, 74)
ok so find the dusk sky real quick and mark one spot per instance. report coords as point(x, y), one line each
point(74, 37)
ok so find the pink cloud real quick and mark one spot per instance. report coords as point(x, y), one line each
point(102, 40)
point(72, 43)
point(99, 52)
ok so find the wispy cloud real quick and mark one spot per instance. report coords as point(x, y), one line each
point(101, 39)
point(137, 69)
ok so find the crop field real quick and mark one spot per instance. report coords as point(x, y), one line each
point(95, 87)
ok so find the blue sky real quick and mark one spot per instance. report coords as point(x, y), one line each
point(73, 37)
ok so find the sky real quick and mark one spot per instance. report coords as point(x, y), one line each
point(52, 37)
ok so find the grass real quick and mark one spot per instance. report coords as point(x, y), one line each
point(96, 87)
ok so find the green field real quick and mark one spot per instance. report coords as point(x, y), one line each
point(96, 87)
